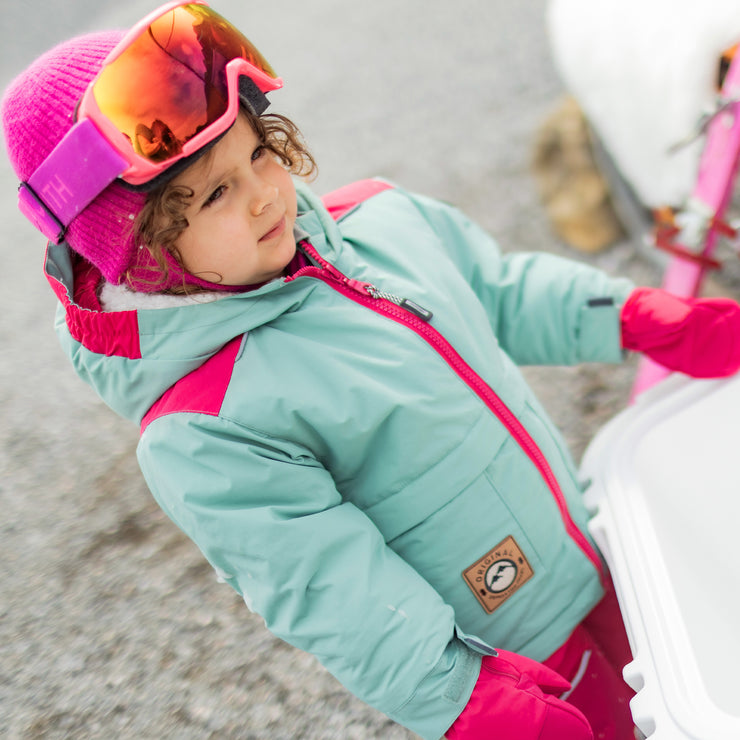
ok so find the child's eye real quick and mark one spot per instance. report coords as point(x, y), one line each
point(214, 196)
point(258, 152)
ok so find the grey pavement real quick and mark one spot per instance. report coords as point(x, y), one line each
point(111, 624)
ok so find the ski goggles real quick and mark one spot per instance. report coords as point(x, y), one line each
point(171, 87)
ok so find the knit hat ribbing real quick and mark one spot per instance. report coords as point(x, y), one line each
point(37, 111)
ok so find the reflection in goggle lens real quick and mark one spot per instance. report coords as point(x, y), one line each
point(170, 82)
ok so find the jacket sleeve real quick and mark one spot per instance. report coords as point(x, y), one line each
point(269, 518)
point(544, 309)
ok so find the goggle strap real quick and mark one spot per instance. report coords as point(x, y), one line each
point(79, 168)
point(252, 96)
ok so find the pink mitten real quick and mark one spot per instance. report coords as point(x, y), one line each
point(696, 336)
point(513, 700)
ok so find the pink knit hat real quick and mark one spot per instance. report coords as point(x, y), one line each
point(37, 110)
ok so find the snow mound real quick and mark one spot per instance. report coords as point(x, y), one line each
point(644, 73)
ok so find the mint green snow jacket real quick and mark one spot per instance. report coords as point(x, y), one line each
point(383, 490)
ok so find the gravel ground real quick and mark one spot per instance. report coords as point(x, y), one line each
point(111, 624)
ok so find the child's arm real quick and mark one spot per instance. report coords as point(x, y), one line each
point(552, 311)
point(268, 516)
point(543, 309)
point(548, 310)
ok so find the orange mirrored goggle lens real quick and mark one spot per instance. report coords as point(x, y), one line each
point(170, 83)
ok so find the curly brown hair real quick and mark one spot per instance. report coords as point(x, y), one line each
point(162, 219)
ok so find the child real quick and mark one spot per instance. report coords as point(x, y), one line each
point(327, 390)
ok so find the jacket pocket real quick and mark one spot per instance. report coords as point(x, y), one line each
point(474, 550)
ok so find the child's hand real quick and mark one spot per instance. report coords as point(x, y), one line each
point(696, 336)
point(513, 700)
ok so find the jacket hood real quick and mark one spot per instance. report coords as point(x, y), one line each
point(132, 357)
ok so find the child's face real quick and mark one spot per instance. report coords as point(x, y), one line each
point(242, 213)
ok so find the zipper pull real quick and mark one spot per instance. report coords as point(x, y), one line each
point(423, 313)
point(418, 311)
point(362, 287)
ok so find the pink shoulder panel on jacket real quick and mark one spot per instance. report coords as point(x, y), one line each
point(344, 199)
point(200, 392)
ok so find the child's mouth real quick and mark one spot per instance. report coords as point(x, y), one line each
point(275, 231)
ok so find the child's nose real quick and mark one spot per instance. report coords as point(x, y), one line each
point(264, 195)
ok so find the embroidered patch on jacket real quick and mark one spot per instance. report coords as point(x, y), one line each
point(499, 574)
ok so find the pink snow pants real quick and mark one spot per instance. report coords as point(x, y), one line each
point(592, 660)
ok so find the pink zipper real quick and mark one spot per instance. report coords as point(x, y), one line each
point(415, 318)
